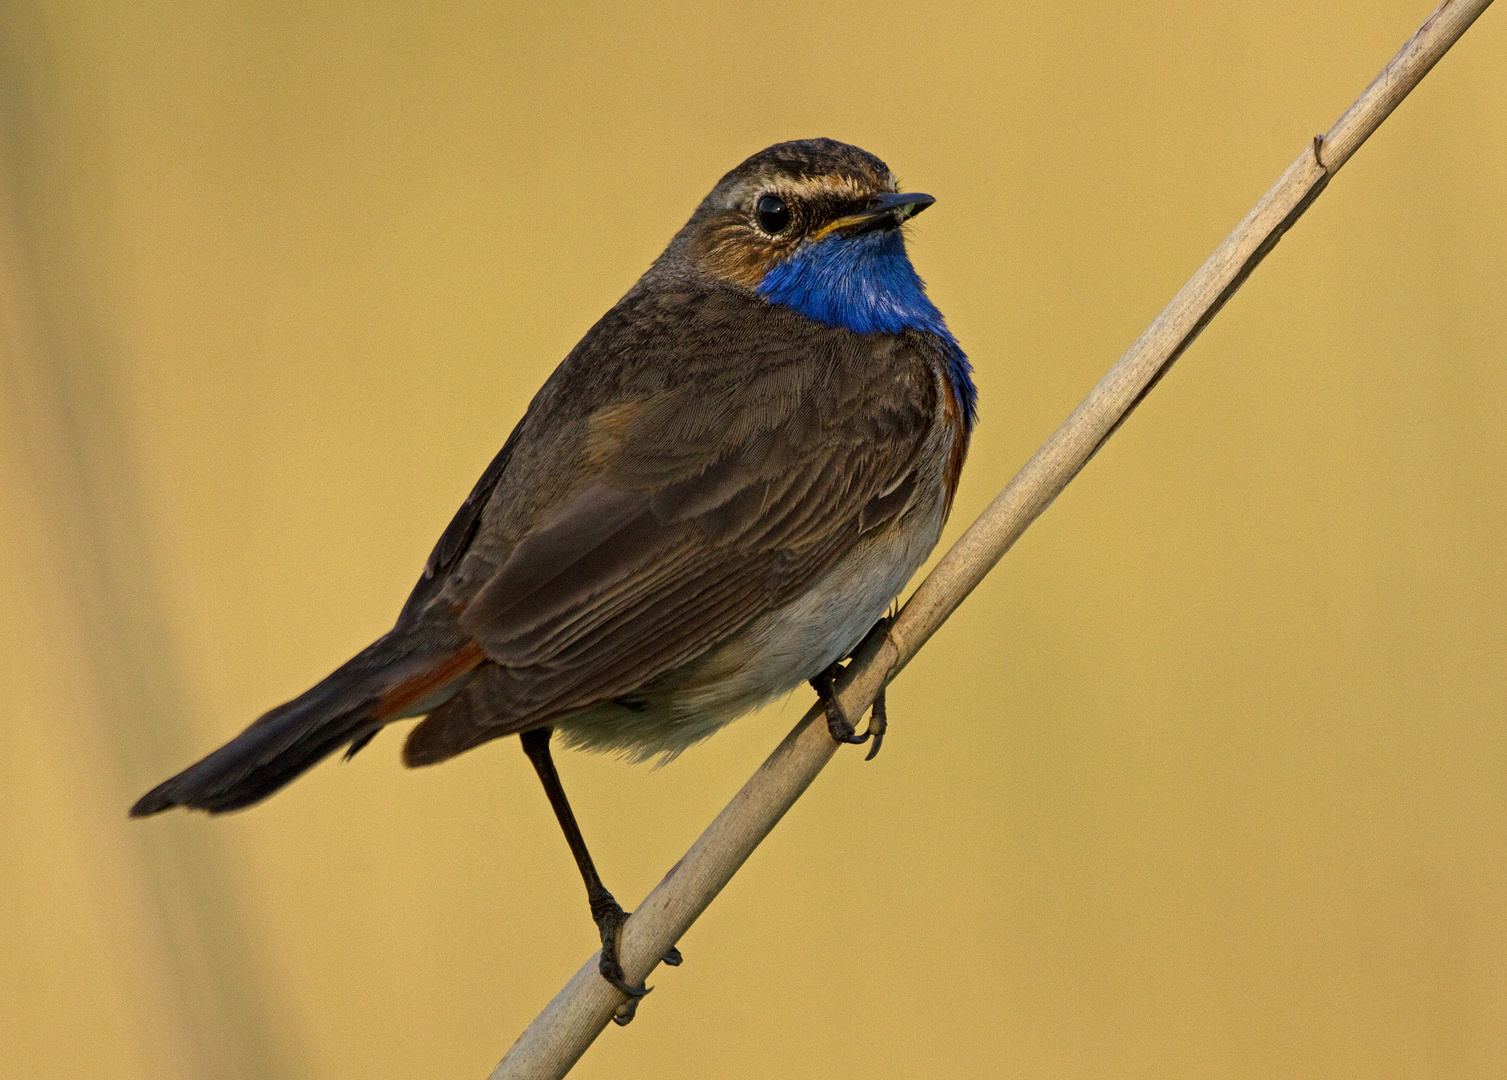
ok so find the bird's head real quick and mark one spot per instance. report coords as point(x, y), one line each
point(814, 225)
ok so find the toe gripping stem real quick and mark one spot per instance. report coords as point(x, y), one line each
point(838, 724)
point(610, 917)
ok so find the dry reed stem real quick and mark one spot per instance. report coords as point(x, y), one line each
point(552, 1044)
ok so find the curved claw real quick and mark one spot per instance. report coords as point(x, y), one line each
point(838, 725)
point(610, 917)
point(847, 735)
point(612, 971)
point(879, 722)
point(628, 1009)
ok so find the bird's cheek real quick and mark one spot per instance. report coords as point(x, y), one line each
point(733, 255)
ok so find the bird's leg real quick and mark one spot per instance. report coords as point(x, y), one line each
point(838, 724)
point(606, 912)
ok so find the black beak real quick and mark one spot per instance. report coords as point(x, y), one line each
point(883, 212)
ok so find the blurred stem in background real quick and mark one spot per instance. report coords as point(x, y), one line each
point(166, 895)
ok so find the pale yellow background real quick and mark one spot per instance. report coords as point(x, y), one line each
point(1209, 779)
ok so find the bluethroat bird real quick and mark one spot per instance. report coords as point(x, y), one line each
point(711, 501)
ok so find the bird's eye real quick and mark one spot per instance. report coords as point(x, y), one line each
point(772, 214)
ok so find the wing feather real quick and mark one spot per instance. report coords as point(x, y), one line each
point(709, 499)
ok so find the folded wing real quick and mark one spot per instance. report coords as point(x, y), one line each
point(703, 516)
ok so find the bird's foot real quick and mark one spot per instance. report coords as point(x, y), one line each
point(838, 725)
point(610, 917)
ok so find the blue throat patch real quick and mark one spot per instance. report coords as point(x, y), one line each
point(866, 284)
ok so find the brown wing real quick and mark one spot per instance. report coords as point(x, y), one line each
point(457, 536)
point(713, 504)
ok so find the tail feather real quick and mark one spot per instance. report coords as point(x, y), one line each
point(349, 707)
point(256, 763)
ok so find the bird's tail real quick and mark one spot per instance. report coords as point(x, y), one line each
point(386, 681)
